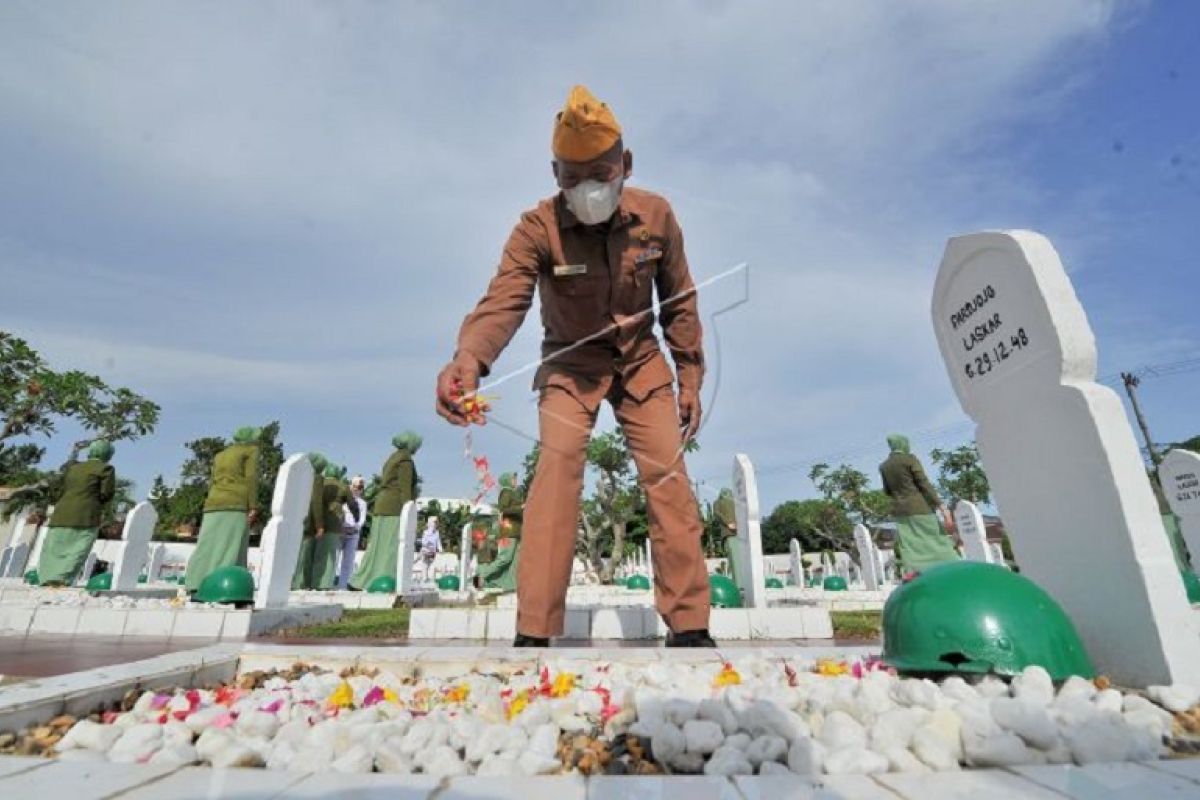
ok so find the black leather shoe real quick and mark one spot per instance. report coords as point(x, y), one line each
point(690, 639)
point(530, 641)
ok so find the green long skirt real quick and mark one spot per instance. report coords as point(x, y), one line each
point(382, 548)
point(63, 554)
point(325, 553)
point(302, 578)
point(222, 543)
point(921, 543)
point(501, 572)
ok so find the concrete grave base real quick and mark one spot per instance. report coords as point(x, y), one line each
point(730, 624)
point(220, 622)
point(413, 599)
point(78, 694)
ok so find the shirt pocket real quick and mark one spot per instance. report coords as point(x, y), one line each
point(637, 279)
point(585, 285)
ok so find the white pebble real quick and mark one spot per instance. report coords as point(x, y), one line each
point(1108, 700)
point(389, 758)
point(1076, 686)
point(991, 686)
point(957, 689)
point(498, 766)
point(738, 740)
point(763, 717)
point(677, 712)
point(1001, 749)
point(257, 724)
point(687, 763)
point(805, 756)
point(917, 693)
point(1107, 738)
point(727, 761)
point(445, 763)
point(901, 759)
point(212, 742)
point(667, 742)
point(1028, 720)
point(137, 744)
point(855, 761)
point(1178, 697)
point(767, 748)
point(934, 751)
point(532, 763)
point(773, 768)
point(842, 731)
point(717, 711)
point(1034, 685)
point(89, 735)
point(236, 755)
point(175, 755)
point(700, 736)
point(895, 728)
point(355, 760)
point(544, 740)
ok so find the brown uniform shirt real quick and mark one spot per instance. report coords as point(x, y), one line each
point(596, 285)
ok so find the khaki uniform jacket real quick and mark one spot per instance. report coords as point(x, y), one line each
point(596, 285)
point(234, 479)
point(397, 484)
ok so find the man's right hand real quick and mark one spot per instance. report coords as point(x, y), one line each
point(459, 378)
point(320, 533)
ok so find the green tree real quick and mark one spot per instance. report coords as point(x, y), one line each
point(606, 515)
point(850, 491)
point(961, 475)
point(819, 524)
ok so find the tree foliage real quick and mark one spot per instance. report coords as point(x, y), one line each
point(961, 475)
point(849, 491)
point(819, 524)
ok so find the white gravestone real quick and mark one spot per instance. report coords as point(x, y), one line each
point(5, 558)
point(1060, 456)
point(16, 564)
point(283, 536)
point(157, 554)
point(887, 565)
point(37, 537)
point(998, 554)
point(649, 561)
point(748, 564)
point(1179, 473)
point(796, 563)
point(841, 565)
point(465, 548)
point(827, 566)
point(971, 532)
point(867, 557)
point(408, 541)
point(135, 549)
point(89, 564)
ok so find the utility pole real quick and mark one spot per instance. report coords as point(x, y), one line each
point(1131, 382)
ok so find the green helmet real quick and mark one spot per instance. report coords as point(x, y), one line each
point(318, 462)
point(1192, 584)
point(247, 434)
point(967, 616)
point(100, 582)
point(31, 577)
point(227, 585)
point(637, 582)
point(407, 441)
point(332, 470)
point(723, 592)
point(143, 578)
point(384, 584)
point(449, 583)
point(101, 450)
point(834, 583)
point(774, 583)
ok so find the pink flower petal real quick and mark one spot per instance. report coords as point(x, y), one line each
point(223, 721)
point(159, 701)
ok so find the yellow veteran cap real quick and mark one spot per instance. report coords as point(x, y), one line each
point(585, 128)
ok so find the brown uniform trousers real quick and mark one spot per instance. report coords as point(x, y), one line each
point(596, 285)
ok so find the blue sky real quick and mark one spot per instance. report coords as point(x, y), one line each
point(256, 211)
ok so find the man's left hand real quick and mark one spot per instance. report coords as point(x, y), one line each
point(689, 413)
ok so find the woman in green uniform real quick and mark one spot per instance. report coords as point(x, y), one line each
point(726, 514)
point(920, 540)
point(88, 486)
point(229, 511)
point(325, 550)
point(501, 571)
point(314, 525)
point(397, 485)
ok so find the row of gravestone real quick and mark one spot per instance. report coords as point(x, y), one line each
point(280, 545)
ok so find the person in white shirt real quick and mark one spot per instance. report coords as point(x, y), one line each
point(352, 525)
point(431, 545)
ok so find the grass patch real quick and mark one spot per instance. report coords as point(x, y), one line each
point(359, 623)
point(857, 624)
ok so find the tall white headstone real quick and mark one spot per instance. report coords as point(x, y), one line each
point(1060, 455)
point(135, 549)
point(16, 564)
point(408, 543)
point(465, 551)
point(998, 554)
point(887, 565)
point(89, 565)
point(281, 539)
point(972, 532)
point(5, 558)
point(1179, 473)
point(841, 565)
point(867, 558)
point(748, 564)
point(649, 561)
point(796, 563)
point(157, 553)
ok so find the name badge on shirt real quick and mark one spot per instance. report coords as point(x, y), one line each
point(565, 270)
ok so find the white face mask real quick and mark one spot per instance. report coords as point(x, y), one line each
point(594, 202)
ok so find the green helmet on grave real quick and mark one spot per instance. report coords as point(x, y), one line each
point(101, 582)
point(640, 582)
point(449, 583)
point(774, 583)
point(332, 470)
point(384, 584)
point(723, 592)
point(232, 584)
point(834, 583)
point(31, 577)
point(318, 462)
point(143, 578)
point(1192, 584)
point(971, 617)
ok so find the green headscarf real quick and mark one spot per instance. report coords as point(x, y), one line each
point(407, 441)
point(342, 471)
point(318, 462)
point(247, 434)
point(101, 450)
point(332, 471)
point(509, 480)
point(899, 443)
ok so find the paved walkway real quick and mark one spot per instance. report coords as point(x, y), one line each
point(43, 656)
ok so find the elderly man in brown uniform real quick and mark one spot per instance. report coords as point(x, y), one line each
point(596, 252)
